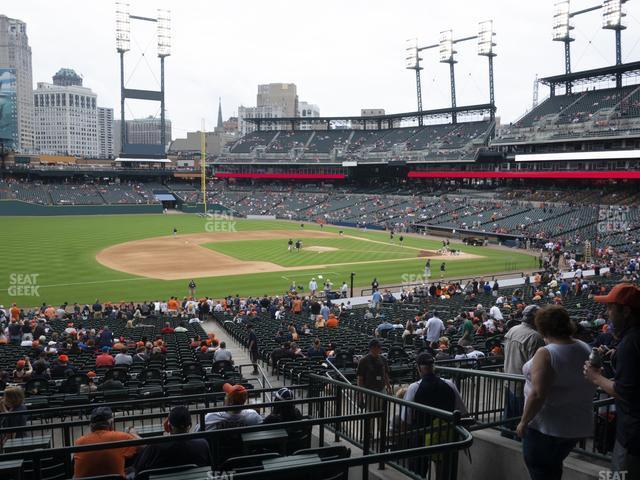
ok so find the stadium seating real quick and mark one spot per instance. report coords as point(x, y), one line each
point(256, 139)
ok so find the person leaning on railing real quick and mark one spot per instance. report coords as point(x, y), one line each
point(623, 306)
point(558, 408)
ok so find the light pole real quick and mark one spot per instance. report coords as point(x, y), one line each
point(413, 63)
point(485, 49)
point(612, 16)
point(123, 43)
point(164, 50)
point(562, 33)
point(447, 56)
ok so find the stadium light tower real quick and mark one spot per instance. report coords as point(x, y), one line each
point(447, 56)
point(123, 43)
point(413, 63)
point(164, 50)
point(485, 49)
point(562, 32)
point(612, 16)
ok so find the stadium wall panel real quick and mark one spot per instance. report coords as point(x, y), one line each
point(13, 208)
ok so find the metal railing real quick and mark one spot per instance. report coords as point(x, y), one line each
point(401, 426)
point(495, 400)
point(420, 441)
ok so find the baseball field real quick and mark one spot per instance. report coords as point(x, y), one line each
point(138, 257)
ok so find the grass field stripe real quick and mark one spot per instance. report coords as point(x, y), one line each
point(72, 243)
point(86, 283)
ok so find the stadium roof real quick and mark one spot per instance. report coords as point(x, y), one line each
point(588, 76)
point(437, 113)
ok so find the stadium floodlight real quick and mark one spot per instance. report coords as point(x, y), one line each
point(413, 55)
point(164, 33)
point(446, 46)
point(123, 27)
point(561, 20)
point(485, 38)
point(612, 14)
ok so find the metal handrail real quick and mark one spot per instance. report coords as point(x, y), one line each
point(148, 416)
point(369, 291)
point(454, 416)
point(369, 458)
point(329, 363)
point(142, 403)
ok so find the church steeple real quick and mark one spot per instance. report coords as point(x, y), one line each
point(220, 126)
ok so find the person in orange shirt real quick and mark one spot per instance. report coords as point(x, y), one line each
point(173, 305)
point(14, 312)
point(103, 462)
point(297, 306)
point(332, 322)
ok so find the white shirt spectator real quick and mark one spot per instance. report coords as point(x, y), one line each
point(243, 418)
point(222, 354)
point(435, 329)
point(123, 359)
point(496, 313)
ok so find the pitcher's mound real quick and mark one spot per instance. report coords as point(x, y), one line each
point(319, 249)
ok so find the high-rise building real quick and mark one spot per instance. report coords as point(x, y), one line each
point(307, 110)
point(66, 120)
point(141, 131)
point(273, 100)
point(263, 111)
point(66, 77)
point(15, 53)
point(282, 94)
point(105, 132)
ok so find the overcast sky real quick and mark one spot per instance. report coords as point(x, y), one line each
point(343, 55)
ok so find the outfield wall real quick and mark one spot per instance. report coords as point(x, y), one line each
point(15, 208)
point(199, 208)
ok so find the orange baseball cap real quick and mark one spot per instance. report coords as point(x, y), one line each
point(622, 294)
point(91, 374)
point(63, 358)
point(236, 393)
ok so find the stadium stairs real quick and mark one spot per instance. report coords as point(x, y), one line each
point(241, 356)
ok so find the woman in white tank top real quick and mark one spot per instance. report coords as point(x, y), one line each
point(558, 407)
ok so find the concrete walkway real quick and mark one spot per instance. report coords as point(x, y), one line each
point(240, 355)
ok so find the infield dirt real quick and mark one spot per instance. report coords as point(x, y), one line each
point(183, 256)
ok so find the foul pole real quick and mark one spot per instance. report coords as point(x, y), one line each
point(203, 167)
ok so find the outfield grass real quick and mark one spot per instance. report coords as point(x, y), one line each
point(348, 250)
point(59, 253)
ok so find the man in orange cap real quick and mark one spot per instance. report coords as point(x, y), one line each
point(623, 306)
point(235, 416)
point(62, 368)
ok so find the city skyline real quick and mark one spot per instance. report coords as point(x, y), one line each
point(347, 57)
